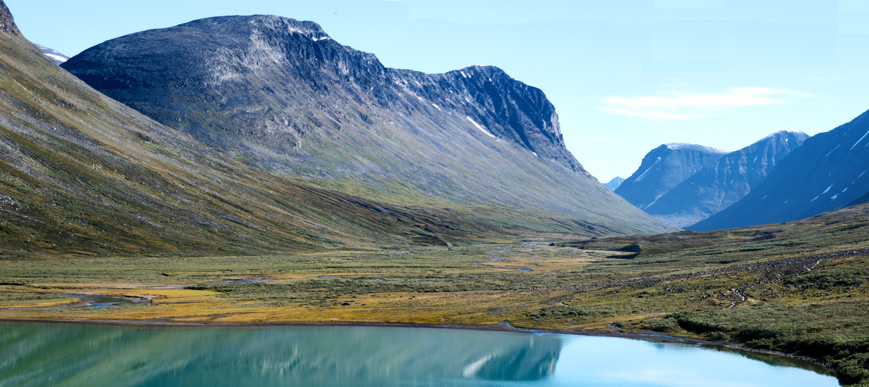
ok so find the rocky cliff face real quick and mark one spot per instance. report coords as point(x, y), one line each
point(7, 23)
point(282, 96)
point(664, 168)
point(733, 176)
point(829, 171)
point(270, 67)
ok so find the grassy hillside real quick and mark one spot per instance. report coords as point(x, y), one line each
point(82, 174)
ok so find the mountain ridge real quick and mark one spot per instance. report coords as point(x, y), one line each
point(85, 175)
point(614, 183)
point(716, 187)
point(664, 168)
point(268, 34)
point(828, 172)
point(55, 55)
point(282, 96)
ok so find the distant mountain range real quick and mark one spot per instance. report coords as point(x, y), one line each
point(281, 96)
point(830, 171)
point(728, 180)
point(662, 169)
point(783, 177)
point(614, 183)
point(56, 56)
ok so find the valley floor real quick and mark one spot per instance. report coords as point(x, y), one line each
point(793, 289)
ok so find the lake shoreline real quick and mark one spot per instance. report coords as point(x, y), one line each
point(503, 327)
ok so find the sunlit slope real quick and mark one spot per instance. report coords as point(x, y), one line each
point(281, 96)
point(81, 173)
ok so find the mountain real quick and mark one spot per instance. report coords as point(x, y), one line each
point(81, 174)
point(56, 56)
point(664, 168)
point(281, 96)
point(716, 187)
point(7, 23)
point(614, 183)
point(829, 171)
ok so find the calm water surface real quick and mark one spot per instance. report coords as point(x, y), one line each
point(91, 355)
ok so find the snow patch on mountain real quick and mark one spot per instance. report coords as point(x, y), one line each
point(482, 129)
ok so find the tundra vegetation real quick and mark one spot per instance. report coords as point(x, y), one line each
point(101, 203)
point(798, 288)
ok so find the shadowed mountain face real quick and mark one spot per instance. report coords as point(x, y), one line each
point(732, 177)
point(664, 168)
point(830, 171)
point(282, 96)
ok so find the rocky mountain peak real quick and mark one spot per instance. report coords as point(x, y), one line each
point(281, 96)
point(664, 168)
point(266, 24)
point(788, 134)
point(689, 147)
point(280, 24)
point(7, 23)
point(717, 186)
point(615, 183)
point(286, 62)
point(829, 171)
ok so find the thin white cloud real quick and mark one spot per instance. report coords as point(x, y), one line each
point(652, 115)
point(691, 105)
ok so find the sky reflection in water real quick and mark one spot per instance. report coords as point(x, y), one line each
point(81, 355)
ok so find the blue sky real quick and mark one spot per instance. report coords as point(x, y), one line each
point(625, 76)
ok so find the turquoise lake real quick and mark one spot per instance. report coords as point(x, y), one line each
point(101, 355)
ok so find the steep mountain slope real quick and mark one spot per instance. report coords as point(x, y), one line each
point(828, 172)
point(282, 96)
point(664, 168)
point(614, 183)
point(730, 179)
point(83, 174)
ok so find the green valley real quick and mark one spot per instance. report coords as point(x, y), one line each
point(797, 288)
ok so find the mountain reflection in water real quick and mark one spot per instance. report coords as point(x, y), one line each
point(50, 354)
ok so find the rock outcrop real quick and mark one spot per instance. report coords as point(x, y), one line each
point(7, 22)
